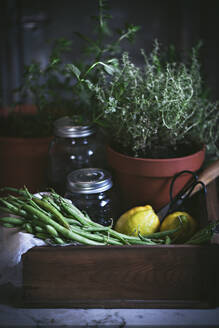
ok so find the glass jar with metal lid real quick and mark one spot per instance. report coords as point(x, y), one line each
point(74, 146)
point(92, 191)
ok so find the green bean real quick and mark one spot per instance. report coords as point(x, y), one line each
point(65, 232)
point(28, 227)
point(73, 222)
point(16, 200)
point(44, 228)
point(13, 209)
point(168, 240)
point(28, 197)
point(22, 192)
point(128, 241)
point(18, 203)
point(37, 225)
point(96, 237)
point(72, 210)
point(198, 241)
point(51, 201)
point(96, 229)
point(59, 240)
point(51, 230)
point(9, 225)
point(12, 220)
point(161, 234)
point(26, 191)
point(203, 235)
point(38, 228)
point(42, 235)
point(51, 209)
point(17, 191)
point(4, 210)
point(75, 212)
point(34, 204)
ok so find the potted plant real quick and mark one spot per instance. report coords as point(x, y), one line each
point(26, 127)
point(160, 121)
point(29, 127)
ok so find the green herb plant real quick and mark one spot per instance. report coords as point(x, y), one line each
point(156, 110)
point(48, 89)
point(100, 51)
point(104, 43)
point(51, 88)
point(45, 85)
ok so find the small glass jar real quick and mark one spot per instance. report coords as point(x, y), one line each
point(73, 147)
point(91, 190)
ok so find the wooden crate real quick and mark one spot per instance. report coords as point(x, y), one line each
point(167, 276)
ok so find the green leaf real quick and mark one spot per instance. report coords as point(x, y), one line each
point(73, 69)
point(54, 61)
point(108, 68)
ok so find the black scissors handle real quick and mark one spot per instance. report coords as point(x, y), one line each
point(186, 191)
point(186, 188)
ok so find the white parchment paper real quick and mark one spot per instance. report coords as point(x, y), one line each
point(13, 244)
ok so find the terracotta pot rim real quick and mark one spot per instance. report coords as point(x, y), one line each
point(156, 160)
point(20, 108)
point(154, 167)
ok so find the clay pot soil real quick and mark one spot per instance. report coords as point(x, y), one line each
point(147, 181)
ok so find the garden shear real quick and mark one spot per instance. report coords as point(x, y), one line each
point(195, 184)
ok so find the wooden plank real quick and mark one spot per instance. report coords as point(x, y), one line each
point(212, 200)
point(69, 275)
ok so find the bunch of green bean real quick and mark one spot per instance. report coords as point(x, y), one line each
point(203, 235)
point(57, 221)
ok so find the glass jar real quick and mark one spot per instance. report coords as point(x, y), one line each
point(91, 190)
point(73, 147)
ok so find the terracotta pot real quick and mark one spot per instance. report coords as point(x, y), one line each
point(22, 109)
point(23, 161)
point(147, 181)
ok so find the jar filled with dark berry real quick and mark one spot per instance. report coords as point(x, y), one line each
point(74, 146)
point(92, 191)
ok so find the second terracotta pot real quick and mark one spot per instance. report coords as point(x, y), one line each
point(147, 181)
point(24, 162)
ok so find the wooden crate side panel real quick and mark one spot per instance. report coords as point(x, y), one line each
point(115, 274)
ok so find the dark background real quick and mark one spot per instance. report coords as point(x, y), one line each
point(27, 25)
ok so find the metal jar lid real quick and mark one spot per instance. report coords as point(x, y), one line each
point(89, 181)
point(68, 128)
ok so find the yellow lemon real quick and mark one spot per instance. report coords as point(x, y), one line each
point(140, 219)
point(188, 225)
